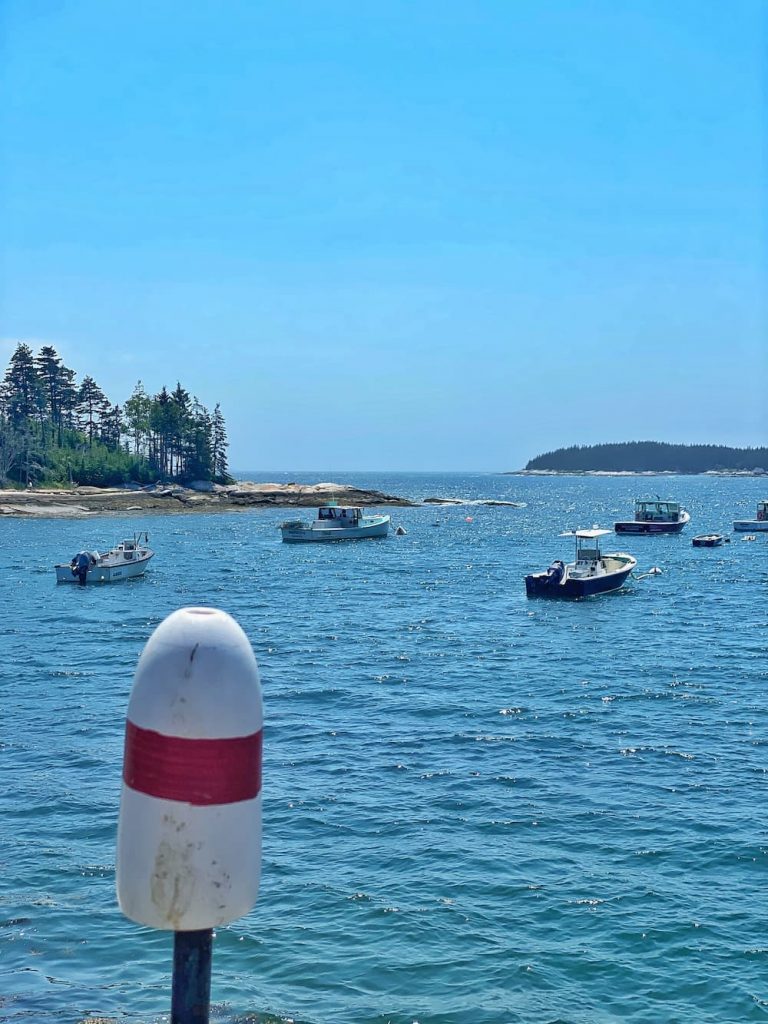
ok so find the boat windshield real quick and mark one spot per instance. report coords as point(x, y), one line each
point(656, 510)
point(339, 512)
point(588, 544)
point(584, 554)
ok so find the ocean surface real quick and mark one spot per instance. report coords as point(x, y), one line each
point(477, 807)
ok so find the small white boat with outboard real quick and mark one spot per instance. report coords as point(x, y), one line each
point(335, 522)
point(592, 572)
point(655, 516)
point(754, 525)
point(128, 559)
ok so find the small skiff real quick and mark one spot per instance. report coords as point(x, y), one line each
point(128, 559)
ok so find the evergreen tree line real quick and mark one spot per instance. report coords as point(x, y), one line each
point(54, 430)
point(651, 457)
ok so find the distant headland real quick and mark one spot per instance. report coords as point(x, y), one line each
point(651, 457)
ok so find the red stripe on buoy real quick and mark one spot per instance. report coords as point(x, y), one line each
point(199, 772)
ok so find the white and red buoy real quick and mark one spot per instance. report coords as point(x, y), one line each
point(189, 834)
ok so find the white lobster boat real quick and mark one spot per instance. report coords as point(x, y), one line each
point(655, 516)
point(753, 525)
point(129, 558)
point(335, 522)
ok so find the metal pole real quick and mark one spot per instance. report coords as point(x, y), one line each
point(191, 986)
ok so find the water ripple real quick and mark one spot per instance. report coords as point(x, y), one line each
point(476, 807)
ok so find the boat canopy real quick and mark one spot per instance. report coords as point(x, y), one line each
point(656, 507)
point(591, 534)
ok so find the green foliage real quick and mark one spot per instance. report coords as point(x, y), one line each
point(56, 433)
point(651, 457)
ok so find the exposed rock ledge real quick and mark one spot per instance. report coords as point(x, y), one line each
point(473, 501)
point(84, 501)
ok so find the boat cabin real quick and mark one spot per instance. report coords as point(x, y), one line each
point(762, 511)
point(342, 515)
point(657, 511)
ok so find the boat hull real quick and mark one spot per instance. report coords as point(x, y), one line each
point(646, 528)
point(708, 541)
point(540, 584)
point(314, 535)
point(105, 573)
point(751, 525)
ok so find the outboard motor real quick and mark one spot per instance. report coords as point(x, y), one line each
point(555, 572)
point(80, 565)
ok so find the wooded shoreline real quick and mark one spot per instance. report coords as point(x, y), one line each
point(652, 457)
point(636, 472)
point(87, 501)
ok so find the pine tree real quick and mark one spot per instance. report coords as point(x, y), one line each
point(219, 445)
point(91, 404)
point(198, 444)
point(136, 411)
point(68, 394)
point(60, 393)
point(179, 426)
point(22, 391)
point(160, 417)
point(111, 426)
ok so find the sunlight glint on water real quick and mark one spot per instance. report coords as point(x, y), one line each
point(476, 807)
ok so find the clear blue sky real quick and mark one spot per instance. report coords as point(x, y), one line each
point(396, 234)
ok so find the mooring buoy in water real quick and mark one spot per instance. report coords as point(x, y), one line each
point(653, 571)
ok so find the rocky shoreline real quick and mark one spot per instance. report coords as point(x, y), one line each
point(86, 501)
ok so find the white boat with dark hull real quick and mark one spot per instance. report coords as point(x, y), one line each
point(335, 522)
point(591, 573)
point(655, 516)
point(754, 525)
point(128, 559)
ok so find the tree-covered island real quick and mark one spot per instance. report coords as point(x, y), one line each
point(55, 431)
point(651, 457)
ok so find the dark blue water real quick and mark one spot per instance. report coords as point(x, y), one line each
point(476, 807)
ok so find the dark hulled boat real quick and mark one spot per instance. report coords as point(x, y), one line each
point(655, 516)
point(708, 540)
point(591, 573)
